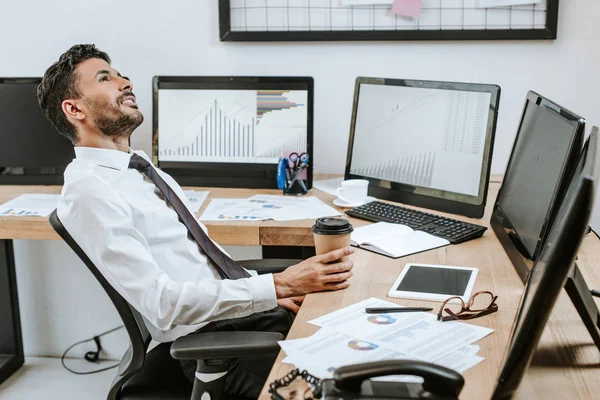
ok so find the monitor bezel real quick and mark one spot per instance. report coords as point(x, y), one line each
point(32, 175)
point(514, 245)
point(240, 175)
point(471, 206)
point(559, 263)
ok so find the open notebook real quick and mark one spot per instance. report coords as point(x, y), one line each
point(394, 240)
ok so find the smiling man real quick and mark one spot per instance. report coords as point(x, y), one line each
point(135, 223)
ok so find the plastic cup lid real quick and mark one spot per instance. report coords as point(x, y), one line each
point(332, 226)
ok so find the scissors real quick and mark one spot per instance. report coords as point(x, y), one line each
point(298, 160)
point(300, 163)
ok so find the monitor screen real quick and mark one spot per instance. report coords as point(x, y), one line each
point(228, 125)
point(30, 144)
point(254, 126)
point(426, 138)
point(548, 140)
point(551, 268)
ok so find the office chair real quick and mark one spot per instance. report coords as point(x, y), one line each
point(157, 375)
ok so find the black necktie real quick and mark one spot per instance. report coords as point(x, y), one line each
point(226, 266)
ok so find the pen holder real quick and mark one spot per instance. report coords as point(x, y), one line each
point(297, 187)
point(289, 177)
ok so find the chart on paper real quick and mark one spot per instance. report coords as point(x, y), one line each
point(249, 126)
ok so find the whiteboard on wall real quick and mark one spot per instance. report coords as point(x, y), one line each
point(298, 20)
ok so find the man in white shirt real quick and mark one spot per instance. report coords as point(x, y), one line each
point(121, 220)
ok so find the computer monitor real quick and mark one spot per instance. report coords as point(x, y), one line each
point(32, 151)
point(230, 131)
point(544, 153)
point(424, 143)
point(550, 270)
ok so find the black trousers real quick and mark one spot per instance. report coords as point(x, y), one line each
point(248, 374)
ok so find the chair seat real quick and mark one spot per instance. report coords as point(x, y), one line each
point(160, 378)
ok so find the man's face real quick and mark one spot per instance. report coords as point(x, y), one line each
point(107, 98)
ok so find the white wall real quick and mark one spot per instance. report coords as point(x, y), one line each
point(180, 37)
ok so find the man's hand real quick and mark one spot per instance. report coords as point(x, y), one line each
point(291, 303)
point(318, 273)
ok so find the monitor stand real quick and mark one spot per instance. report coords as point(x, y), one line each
point(575, 285)
point(584, 303)
point(513, 248)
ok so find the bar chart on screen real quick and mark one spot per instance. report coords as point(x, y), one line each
point(231, 125)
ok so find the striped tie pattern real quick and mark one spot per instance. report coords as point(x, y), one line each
point(227, 267)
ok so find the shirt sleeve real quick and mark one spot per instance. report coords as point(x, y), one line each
point(102, 224)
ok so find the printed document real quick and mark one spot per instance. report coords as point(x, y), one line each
point(31, 204)
point(263, 207)
point(417, 334)
point(350, 336)
point(196, 198)
point(216, 211)
point(328, 349)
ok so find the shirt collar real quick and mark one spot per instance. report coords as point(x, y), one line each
point(108, 158)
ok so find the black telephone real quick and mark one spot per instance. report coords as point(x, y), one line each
point(352, 382)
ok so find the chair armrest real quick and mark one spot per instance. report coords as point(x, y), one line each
point(224, 345)
point(268, 265)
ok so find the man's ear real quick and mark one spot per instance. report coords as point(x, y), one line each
point(72, 109)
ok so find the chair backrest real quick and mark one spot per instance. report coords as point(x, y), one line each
point(133, 359)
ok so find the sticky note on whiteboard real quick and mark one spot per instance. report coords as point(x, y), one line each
point(409, 8)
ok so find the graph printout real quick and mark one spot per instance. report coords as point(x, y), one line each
point(424, 137)
point(246, 126)
point(30, 205)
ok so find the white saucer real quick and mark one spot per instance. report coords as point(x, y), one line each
point(341, 203)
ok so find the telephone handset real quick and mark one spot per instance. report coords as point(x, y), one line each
point(352, 381)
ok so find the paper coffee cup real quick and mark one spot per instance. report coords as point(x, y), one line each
point(331, 234)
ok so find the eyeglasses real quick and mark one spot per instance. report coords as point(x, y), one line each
point(480, 304)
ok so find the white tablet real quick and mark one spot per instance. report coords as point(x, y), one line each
point(434, 282)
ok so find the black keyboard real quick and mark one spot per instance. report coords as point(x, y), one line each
point(451, 229)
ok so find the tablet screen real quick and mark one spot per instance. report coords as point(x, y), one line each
point(451, 282)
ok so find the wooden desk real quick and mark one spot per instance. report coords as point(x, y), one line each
point(566, 364)
point(265, 233)
point(241, 233)
point(553, 374)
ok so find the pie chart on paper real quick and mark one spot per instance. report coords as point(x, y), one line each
point(362, 345)
point(381, 319)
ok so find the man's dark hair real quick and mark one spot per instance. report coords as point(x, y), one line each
point(60, 83)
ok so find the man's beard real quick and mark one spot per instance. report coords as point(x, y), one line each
point(112, 121)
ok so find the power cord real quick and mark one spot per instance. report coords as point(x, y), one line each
point(91, 356)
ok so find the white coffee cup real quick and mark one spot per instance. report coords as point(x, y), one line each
point(353, 191)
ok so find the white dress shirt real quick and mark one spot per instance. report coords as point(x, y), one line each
point(121, 221)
